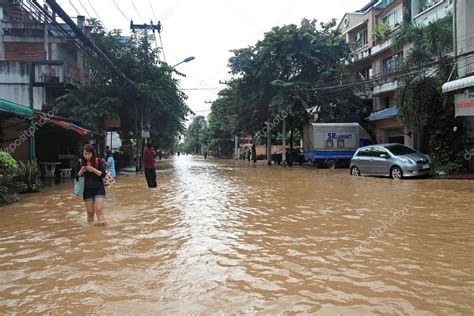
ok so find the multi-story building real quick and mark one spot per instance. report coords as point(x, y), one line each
point(39, 60)
point(376, 58)
point(463, 87)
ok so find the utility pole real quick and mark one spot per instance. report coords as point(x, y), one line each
point(236, 146)
point(269, 142)
point(283, 153)
point(152, 27)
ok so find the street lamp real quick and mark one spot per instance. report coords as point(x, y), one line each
point(184, 61)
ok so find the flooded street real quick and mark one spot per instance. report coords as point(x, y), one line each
point(221, 237)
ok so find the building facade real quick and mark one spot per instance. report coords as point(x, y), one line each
point(39, 60)
point(375, 57)
point(462, 88)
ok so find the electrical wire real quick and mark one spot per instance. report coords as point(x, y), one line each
point(98, 16)
point(136, 10)
point(121, 12)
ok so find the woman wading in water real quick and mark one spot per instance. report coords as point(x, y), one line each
point(93, 170)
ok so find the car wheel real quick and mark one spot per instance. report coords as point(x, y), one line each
point(355, 171)
point(331, 164)
point(396, 173)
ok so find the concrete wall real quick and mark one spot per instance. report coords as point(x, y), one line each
point(465, 27)
point(14, 81)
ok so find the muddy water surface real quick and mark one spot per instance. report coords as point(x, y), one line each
point(226, 237)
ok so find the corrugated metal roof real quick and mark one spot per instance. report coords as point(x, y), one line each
point(383, 114)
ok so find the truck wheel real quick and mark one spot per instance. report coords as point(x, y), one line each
point(331, 164)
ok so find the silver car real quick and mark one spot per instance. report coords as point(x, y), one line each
point(393, 160)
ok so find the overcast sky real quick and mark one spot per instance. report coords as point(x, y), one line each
point(207, 29)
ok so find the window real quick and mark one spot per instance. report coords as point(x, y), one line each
point(386, 102)
point(361, 39)
point(426, 4)
point(376, 152)
point(329, 143)
point(394, 19)
point(340, 143)
point(366, 74)
point(392, 64)
point(364, 152)
point(399, 150)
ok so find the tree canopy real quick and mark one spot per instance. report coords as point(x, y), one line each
point(155, 99)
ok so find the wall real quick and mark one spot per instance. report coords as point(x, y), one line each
point(14, 81)
point(465, 29)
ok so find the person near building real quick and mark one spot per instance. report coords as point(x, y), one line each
point(149, 164)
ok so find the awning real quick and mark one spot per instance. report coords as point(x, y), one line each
point(15, 109)
point(459, 84)
point(70, 126)
point(383, 114)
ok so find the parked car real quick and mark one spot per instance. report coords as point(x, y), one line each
point(295, 156)
point(393, 160)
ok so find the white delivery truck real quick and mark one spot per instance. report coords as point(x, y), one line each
point(333, 144)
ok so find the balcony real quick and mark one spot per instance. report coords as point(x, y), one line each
point(385, 87)
point(433, 12)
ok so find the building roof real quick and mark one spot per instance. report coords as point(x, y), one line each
point(383, 114)
point(15, 109)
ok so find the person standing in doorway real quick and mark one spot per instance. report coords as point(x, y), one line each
point(149, 164)
point(93, 170)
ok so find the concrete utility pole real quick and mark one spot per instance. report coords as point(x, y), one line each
point(236, 147)
point(269, 142)
point(45, 24)
point(283, 153)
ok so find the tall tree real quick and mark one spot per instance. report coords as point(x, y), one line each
point(422, 105)
point(155, 99)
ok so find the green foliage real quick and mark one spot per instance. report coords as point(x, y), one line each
point(449, 167)
point(155, 100)
point(422, 105)
point(196, 135)
point(29, 175)
point(279, 73)
point(8, 171)
point(381, 32)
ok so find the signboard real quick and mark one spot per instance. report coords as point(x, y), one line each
point(464, 104)
point(112, 122)
point(146, 131)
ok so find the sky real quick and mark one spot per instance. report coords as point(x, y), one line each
point(207, 30)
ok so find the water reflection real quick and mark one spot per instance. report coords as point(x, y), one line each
point(228, 237)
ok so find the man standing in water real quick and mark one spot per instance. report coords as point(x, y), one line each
point(149, 164)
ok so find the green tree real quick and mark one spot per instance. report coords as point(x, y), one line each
point(422, 105)
point(154, 99)
point(280, 73)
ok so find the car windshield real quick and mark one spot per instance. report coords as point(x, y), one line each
point(399, 150)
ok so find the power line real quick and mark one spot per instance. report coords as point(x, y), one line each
point(121, 12)
point(100, 19)
point(136, 10)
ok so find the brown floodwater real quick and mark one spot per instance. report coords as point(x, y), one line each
point(220, 237)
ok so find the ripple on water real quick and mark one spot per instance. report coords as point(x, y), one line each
point(225, 237)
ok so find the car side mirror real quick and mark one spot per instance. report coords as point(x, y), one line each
point(384, 156)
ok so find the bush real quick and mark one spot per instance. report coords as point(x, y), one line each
point(8, 172)
point(449, 167)
point(28, 176)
